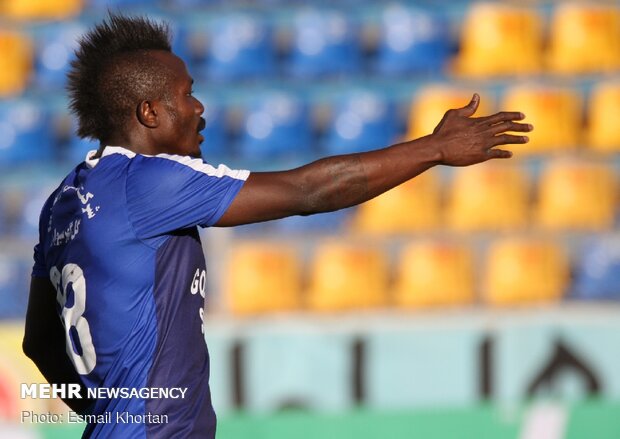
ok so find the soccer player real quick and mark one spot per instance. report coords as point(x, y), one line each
point(117, 291)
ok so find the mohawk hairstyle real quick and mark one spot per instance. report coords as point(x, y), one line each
point(113, 73)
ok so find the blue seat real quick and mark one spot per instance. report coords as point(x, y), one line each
point(412, 41)
point(26, 133)
point(54, 51)
point(597, 274)
point(14, 285)
point(276, 125)
point(361, 121)
point(240, 49)
point(325, 43)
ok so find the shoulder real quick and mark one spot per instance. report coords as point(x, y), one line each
point(164, 166)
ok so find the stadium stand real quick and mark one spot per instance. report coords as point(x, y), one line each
point(493, 34)
point(492, 196)
point(325, 43)
point(263, 277)
point(584, 38)
point(241, 48)
point(14, 278)
point(603, 115)
point(275, 125)
point(555, 112)
point(577, 195)
point(346, 276)
point(25, 133)
point(434, 274)
point(430, 103)
point(16, 58)
point(54, 46)
point(360, 121)
point(410, 207)
point(412, 41)
point(41, 9)
point(523, 271)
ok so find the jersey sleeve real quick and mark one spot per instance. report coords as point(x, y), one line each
point(39, 268)
point(166, 193)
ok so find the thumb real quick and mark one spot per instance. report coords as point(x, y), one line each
point(469, 109)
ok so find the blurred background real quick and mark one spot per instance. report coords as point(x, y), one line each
point(476, 302)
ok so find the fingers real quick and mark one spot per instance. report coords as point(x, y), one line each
point(511, 126)
point(502, 116)
point(469, 109)
point(509, 139)
point(499, 154)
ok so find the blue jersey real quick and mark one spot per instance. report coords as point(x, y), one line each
point(119, 242)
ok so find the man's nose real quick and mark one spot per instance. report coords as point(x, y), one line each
point(199, 108)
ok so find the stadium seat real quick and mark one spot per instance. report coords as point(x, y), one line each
point(554, 112)
point(325, 43)
point(603, 116)
point(577, 195)
point(347, 276)
point(240, 49)
point(16, 58)
point(490, 196)
point(597, 272)
point(412, 206)
point(275, 125)
point(26, 134)
point(434, 274)
point(41, 9)
point(263, 277)
point(54, 49)
point(584, 38)
point(498, 40)
point(412, 41)
point(430, 104)
point(361, 121)
point(524, 271)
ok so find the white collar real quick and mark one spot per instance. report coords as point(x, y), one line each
point(108, 150)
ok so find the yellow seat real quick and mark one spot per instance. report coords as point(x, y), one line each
point(603, 116)
point(489, 196)
point(430, 104)
point(40, 9)
point(524, 271)
point(573, 195)
point(500, 40)
point(263, 277)
point(16, 55)
point(554, 112)
point(412, 206)
point(346, 276)
point(434, 274)
point(584, 38)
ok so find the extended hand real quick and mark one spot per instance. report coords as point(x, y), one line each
point(464, 140)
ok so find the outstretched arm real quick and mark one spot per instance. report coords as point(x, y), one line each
point(337, 182)
point(44, 341)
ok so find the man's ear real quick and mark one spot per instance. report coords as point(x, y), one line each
point(147, 114)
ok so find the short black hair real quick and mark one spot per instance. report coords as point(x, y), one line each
point(113, 72)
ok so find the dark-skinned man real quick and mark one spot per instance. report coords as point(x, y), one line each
point(117, 291)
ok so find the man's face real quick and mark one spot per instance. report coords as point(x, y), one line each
point(180, 114)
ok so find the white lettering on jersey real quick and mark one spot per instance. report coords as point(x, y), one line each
point(70, 232)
